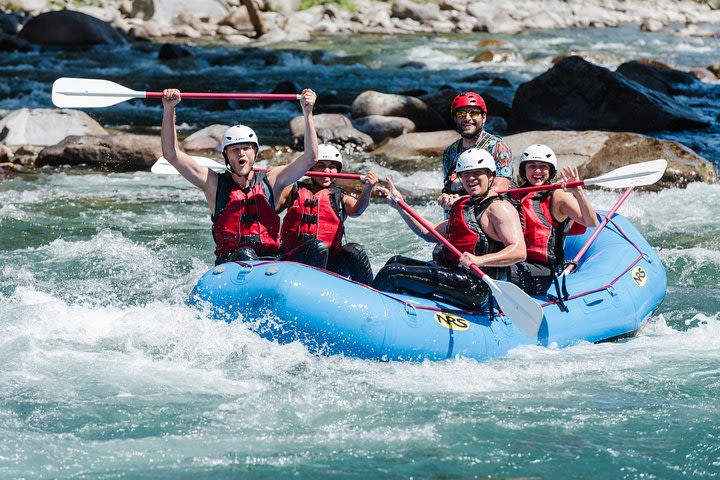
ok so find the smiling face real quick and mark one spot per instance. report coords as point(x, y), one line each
point(537, 173)
point(477, 182)
point(469, 121)
point(324, 166)
point(241, 157)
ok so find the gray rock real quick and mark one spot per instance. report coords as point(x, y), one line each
point(577, 95)
point(208, 138)
point(420, 12)
point(44, 126)
point(166, 11)
point(413, 145)
point(380, 127)
point(391, 105)
point(114, 153)
point(65, 27)
point(331, 128)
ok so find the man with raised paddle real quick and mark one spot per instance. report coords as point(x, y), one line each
point(244, 204)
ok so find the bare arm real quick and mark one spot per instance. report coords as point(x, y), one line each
point(501, 183)
point(354, 207)
point(281, 177)
point(573, 203)
point(504, 226)
point(202, 177)
point(414, 225)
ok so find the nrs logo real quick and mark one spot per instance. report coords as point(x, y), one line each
point(453, 322)
point(639, 276)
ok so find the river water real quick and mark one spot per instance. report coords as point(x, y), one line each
point(107, 374)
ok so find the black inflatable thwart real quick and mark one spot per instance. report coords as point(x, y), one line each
point(352, 262)
point(313, 252)
point(406, 275)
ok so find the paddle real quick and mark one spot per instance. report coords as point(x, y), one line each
point(517, 305)
point(92, 93)
point(597, 231)
point(635, 175)
point(162, 166)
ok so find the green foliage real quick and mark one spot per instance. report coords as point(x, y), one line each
point(348, 5)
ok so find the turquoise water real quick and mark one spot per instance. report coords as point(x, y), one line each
point(107, 374)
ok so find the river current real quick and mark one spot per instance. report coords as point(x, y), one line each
point(106, 373)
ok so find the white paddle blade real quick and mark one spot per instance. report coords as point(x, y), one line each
point(163, 167)
point(635, 175)
point(90, 93)
point(518, 306)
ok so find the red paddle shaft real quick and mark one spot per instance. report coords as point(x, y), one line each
point(347, 176)
point(229, 96)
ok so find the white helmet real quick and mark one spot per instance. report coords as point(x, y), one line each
point(474, 159)
point(239, 134)
point(538, 153)
point(331, 154)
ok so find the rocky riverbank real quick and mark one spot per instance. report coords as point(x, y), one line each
point(282, 20)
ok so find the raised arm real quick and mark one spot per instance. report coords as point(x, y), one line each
point(354, 207)
point(281, 177)
point(414, 225)
point(573, 203)
point(202, 177)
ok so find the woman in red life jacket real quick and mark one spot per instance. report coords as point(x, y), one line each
point(548, 218)
point(317, 213)
point(244, 205)
point(485, 227)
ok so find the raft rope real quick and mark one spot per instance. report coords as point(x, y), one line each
point(409, 305)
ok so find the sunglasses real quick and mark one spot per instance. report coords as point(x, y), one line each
point(463, 113)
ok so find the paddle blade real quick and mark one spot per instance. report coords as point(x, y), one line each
point(163, 167)
point(90, 93)
point(518, 306)
point(635, 175)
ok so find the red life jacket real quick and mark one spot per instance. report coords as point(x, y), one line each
point(314, 216)
point(466, 234)
point(245, 219)
point(544, 235)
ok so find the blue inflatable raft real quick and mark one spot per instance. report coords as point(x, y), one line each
point(619, 282)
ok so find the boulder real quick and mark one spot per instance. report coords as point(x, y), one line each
point(331, 128)
point(659, 77)
point(69, 28)
point(380, 127)
point(413, 145)
point(596, 152)
point(424, 12)
point(577, 95)
point(172, 51)
point(44, 126)
point(389, 105)
point(165, 12)
point(114, 153)
point(209, 138)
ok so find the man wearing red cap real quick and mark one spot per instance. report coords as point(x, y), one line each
point(469, 113)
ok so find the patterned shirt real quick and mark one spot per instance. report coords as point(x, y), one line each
point(492, 143)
